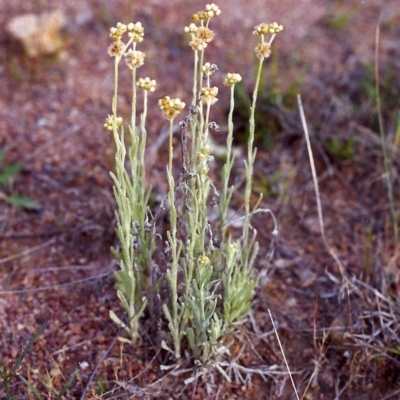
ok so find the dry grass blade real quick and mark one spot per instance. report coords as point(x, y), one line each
point(317, 194)
point(52, 287)
point(284, 357)
point(27, 252)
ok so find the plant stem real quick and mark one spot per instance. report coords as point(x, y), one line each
point(386, 163)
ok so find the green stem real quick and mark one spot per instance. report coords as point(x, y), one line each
point(114, 101)
point(251, 153)
point(171, 148)
point(133, 114)
point(205, 136)
point(383, 142)
point(196, 62)
point(226, 170)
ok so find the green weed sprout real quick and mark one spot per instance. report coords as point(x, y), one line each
point(8, 173)
point(210, 282)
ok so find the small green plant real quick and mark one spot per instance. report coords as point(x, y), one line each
point(195, 274)
point(7, 176)
point(338, 22)
point(341, 150)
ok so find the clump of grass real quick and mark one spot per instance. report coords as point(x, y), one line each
point(205, 282)
point(9, 373)
point(386, 160)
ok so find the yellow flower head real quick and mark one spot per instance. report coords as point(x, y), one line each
point(111, 121)
point(116, 49)
point(147, 84)
point(209, 95)
point(231, 79)
point(134, 58)
point(200, 16)
point(263, 50)
point(171, 107)
point(203, 260)
point(136, 31)
point(264, 28)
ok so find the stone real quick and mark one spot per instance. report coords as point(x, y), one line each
point(39, 34)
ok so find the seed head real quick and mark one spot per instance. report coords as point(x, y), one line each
point(263, 50)
point(134, 58)
point(147, 84)
point(116, 49)
point(232, 79)
point(197, 44)
point(205, 34)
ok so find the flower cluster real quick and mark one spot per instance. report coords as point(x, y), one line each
point(263, 29)
point(117, 31)
point(209, 95)
point(111, 121)
point(212, 10)
point(231, 79)
point(208, 68)
point(147, 84)
point(200, 16)
point(263, 50)
point(201, 35)
point(134, 58)
point(170, 107)
point(135, 31)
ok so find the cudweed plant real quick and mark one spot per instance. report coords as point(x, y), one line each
point(210, 281)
